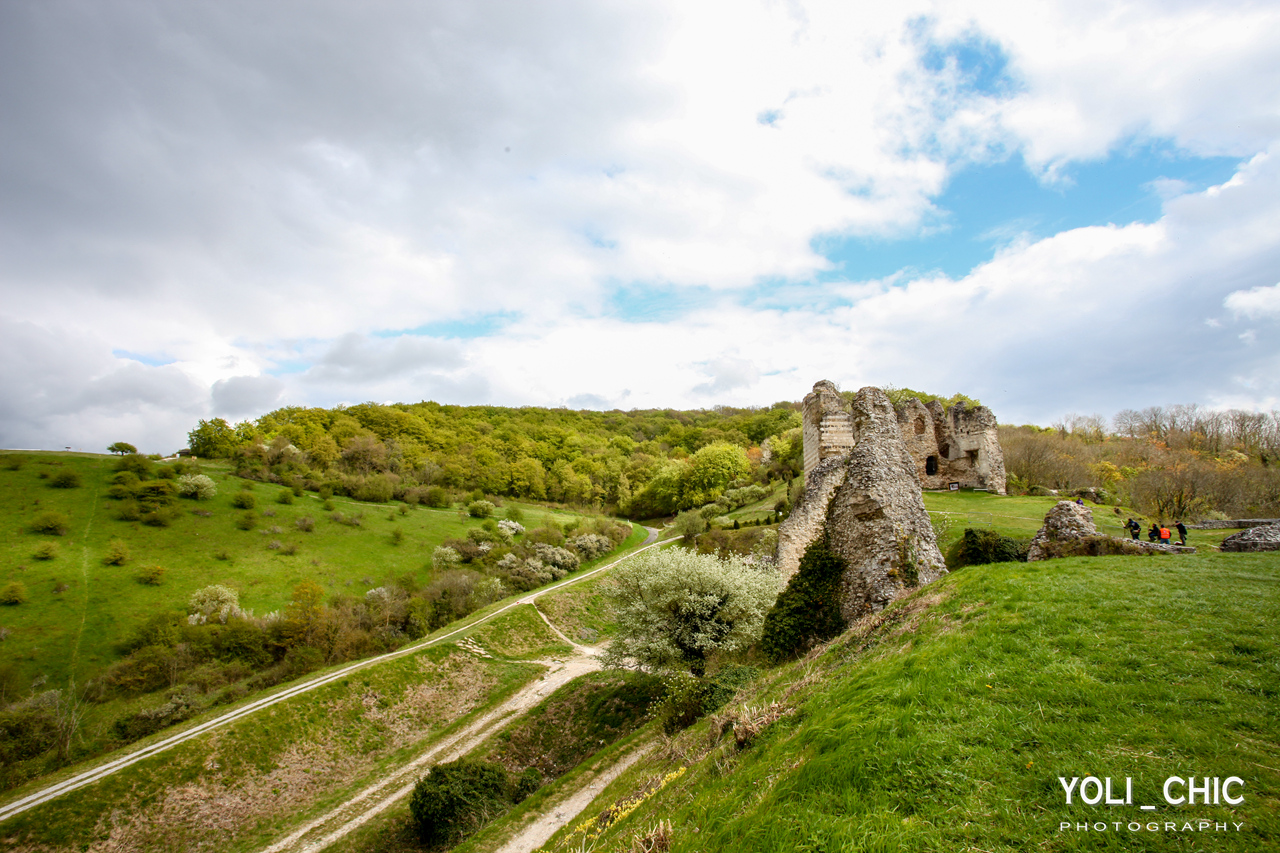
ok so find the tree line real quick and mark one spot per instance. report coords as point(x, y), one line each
point(638, 463)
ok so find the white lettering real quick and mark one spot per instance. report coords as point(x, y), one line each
point(1219, 827)
point(1232, 780)
point(1215, 790)
point(1135, 827)
point(1153, 827)
point(1170, 827)
point(1068, 788)
point(1186, 827)
point(1066, 824)
point(1100, 827)
point(1097, 785)
point(1113, 801)
point(1167, 798)
point(1080, 826)
point(1237, 826)
point(1204, 824)
point(1192, 790)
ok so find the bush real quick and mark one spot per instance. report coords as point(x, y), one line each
point(46, 551)
point(458, 798)
point(688, 699)
point(157, 493)
point(129, 510)
point(480, 509)
point(306, 524)
point(152, 575)
point(120, 492)
point(197, 486)
point(244, 500)
point(1039, 492)
point(285, 497)
point(159, 517)
point(980, 547)
point(807, 611)
point(66, 479)
point(14, 592)
point(51, 522)
point(117, 553)
point(247, 521)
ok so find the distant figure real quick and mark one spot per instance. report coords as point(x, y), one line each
point(1134, 528)
point(1165, 536)
point(1154, 533)
point(1182, 533)
point(1080, 501)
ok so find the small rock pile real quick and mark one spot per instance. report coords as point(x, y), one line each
point(1255, 539)
point(1067, 520)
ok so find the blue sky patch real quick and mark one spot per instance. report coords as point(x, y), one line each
point(481, 326)
point(987, 206)
point(149, 360)
point(981, 66)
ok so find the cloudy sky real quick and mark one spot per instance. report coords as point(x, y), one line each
point(218, 208)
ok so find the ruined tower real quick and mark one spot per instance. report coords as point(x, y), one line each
point(956, 445)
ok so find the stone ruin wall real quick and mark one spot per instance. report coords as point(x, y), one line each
point(955, 445)
point(863, 496)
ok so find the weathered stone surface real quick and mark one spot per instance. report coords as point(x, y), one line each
point(1234, 523)
point(955, 445)
point(1254, 539)
point(867, 502)
point(1067, 520)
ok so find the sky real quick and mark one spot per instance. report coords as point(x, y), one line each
point(217, 209)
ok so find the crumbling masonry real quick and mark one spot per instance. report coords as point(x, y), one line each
point(862, 496)
point(956, 445)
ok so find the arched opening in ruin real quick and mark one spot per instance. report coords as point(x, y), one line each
point(919, 426)
point(931, 465)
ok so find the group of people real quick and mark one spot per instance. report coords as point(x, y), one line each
point(1158, 533)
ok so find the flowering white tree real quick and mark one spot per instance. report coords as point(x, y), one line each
point(675, 607)
point(198, 486)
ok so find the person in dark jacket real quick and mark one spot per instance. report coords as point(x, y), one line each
point(1154, 533)
point(1182, 532)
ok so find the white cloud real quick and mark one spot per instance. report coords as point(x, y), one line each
point(256, 189)
point(1254, 302)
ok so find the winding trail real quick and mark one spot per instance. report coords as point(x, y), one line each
point(101, 771)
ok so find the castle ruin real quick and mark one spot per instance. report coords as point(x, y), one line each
point(956, 445)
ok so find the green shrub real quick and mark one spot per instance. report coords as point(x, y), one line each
point(120, 492)
point(458, 798)
point(167, 472)
point(687, 698)
point(117, 553)
point(376, 489)
point(160, 516)
point(244, 500)
point(135, 463)
point(152, 575)
point(50, 522)
point(807, 611)
point(980, 547)
point(247, 521)
point(66, 479)
point(14, 592)
point(306, 524)
point(46, 551)
point(1039, 492)
point(438, 497)
point(129, 510)
point(284, 498)
point(480, 509)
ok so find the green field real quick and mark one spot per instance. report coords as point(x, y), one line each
point(79, 609)
point(944, 723)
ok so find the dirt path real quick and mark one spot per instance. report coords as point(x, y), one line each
point(323, 831)
point(534, 835)
point(107, 768)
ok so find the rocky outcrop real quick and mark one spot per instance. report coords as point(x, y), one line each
point(1067, 520)
point(1254, 539)
point(867, 502)
point(1069, 530)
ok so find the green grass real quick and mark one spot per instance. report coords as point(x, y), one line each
point(79, 609)
point(581, 611)
point(243, 785)
point(947, 725)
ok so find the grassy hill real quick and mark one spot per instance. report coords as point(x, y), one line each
point(944, 722)
point(80, 609)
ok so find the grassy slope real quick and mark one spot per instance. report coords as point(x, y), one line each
point(244, 785)
point(945, 725)
point(74, 632)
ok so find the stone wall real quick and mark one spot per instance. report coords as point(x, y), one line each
point(867, 503)
point(955, 445)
